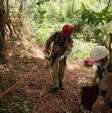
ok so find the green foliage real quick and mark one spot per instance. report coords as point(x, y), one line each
point(44, 31)
point(92, 17)
point(57, 12)
point(96, 20)
point(81, 49)
point(40, 2)
point(89, 14)
point(48, 16)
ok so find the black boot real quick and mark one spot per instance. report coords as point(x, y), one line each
point(61, 86)
point(53, 90)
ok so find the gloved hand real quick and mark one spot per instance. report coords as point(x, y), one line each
point(46, 56)
point(61, 57)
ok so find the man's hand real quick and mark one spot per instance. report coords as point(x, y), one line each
point(46, 55)
point(61, 57)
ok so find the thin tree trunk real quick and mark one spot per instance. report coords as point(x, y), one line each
point(110, 49)
point(2, 28)
point(73, 7)
point(107, 6)
point(4, 15)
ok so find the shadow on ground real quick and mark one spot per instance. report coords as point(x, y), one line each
point(36, 83)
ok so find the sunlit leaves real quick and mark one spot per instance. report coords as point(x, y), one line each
point(91, 17)
point(39, 2)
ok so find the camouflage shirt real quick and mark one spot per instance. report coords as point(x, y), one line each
point(59, 45)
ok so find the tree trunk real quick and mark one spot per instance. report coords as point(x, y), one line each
point(2, 28)
point(4, 12)
point(110, 48)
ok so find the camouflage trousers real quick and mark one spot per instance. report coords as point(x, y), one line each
point(57, 73)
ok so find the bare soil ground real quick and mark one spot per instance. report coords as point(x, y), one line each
point(34, 81)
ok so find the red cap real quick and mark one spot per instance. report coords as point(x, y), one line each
point(67, 29)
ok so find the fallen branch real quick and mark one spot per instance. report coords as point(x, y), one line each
point(13, 87)
point(36, 107)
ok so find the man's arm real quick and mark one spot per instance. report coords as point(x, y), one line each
point(48, 43)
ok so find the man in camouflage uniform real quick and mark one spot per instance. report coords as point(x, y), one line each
point(103, 103)
point(57, 48)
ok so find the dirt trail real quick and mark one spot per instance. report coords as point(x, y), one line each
point(38, 81)
point(66, 101)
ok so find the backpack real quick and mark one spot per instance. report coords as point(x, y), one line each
point(88, 96)
point(100, 71)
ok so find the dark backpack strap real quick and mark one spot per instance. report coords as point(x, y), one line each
point(109, 67)
point(56, 35)
point(99, 72)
